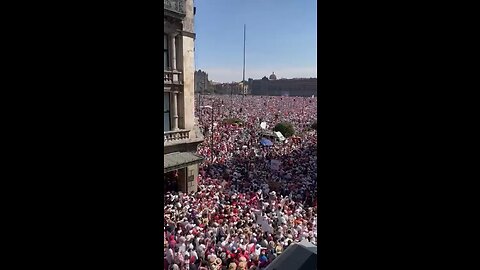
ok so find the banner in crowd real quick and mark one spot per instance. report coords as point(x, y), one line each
point(264, 223)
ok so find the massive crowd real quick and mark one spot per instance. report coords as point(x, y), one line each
point(253, 201)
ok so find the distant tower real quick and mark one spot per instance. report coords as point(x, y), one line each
point(273, 77)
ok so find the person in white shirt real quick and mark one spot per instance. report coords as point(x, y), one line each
point(225, 242)
point(170, 256)
point(182, 247)
point(201, 251)
point(194, 254)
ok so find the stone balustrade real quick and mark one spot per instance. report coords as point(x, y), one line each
point(175, 135)
point(172, 77)
point(176, 6)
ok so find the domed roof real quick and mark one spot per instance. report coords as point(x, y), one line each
point(273, 77)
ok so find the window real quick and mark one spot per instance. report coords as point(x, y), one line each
point(165, 52)
point(166, 112)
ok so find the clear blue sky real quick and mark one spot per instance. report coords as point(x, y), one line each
point(281, 38)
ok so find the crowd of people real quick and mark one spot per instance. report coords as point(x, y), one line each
point(253, 201)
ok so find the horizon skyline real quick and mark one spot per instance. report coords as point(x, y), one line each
point(247, 78)
point(273, 44)
point(258, 77)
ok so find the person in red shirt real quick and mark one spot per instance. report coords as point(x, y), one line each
point(172, 242)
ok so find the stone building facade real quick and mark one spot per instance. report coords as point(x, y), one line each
point(181, 132)
point(283, 87)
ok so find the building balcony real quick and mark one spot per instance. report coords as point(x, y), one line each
point(174, 8)
point(175, 136)
point(183, 140)
point(172, 77)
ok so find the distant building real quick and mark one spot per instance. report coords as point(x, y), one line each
point(233, 88)
point(284, 87)
point(202, 85)
point(272, 77)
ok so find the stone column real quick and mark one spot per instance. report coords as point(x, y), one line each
point(173, 49)
point(174, 108)
point(192, 174)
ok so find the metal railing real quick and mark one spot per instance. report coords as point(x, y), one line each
point(172, 77)
point(176, 135)
point(177, 6)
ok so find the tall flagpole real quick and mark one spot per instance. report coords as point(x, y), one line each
point(244, 37)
